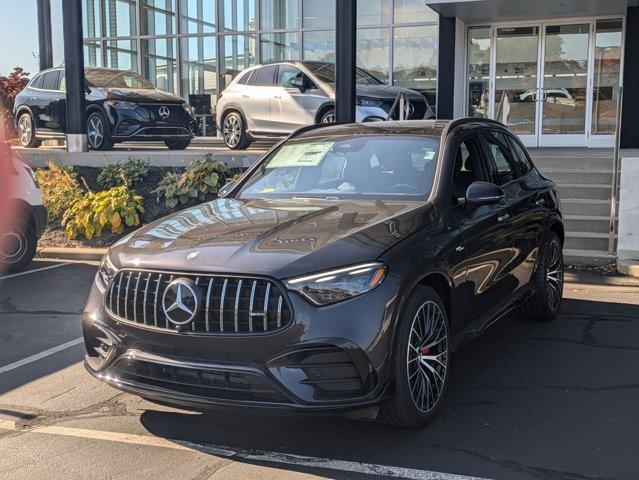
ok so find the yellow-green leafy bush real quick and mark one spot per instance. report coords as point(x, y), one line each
point(128, 173)
point(201, 178)
point(114, 209)
point(59, 188)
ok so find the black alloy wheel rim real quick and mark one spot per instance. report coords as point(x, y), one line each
point(554, 276)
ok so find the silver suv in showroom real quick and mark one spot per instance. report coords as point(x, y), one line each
point(275, 99)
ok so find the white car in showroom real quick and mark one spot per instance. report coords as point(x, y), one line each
point(275, 99)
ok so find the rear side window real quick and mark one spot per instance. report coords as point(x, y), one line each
point(266, 75)
point(498, 152)
point(37, 82)
point(50, 81)
point(519, 156)
point(245, 79)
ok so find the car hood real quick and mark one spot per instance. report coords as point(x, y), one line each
point(140, 95)
point(383, 92)
point(279, 238)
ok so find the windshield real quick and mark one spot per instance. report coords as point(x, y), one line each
point(326, 73)
point(117, 79)
point(381, 167)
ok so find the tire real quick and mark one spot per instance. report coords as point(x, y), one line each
point(328, 117)
point(234, 132)
point(548, 281)
point(178, 144)
point(420, 385)
point(27, 131)
point(99, 132)
point(18, 246)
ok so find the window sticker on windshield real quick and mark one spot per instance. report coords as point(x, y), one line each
point(304, 155)
point(429, 155)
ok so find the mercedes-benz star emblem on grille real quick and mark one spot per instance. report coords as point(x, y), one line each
point(181, 301)
point(164, 112)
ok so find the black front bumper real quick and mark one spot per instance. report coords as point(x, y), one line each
point(328, 360)
point(144, 123)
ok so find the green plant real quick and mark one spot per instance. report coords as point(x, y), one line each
point(113, 208)
point(59, 188)
point(201, 178)
point(128, 173)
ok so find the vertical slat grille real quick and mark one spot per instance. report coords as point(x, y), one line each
point(229, 305)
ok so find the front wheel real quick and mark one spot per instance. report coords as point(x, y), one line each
point(18, 246)
point(421, 363)
point(328, 117)
point(548, 281)
point(234, 132)
point(178, 144)
point(98, 132)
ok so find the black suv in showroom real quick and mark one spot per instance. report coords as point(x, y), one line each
point(338, 274)
point(120, 106)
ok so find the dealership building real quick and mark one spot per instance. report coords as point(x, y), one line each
point(549, 69)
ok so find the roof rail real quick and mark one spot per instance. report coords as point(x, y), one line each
point(463, 121)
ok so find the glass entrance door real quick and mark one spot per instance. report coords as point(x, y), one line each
point(564, 95)
point(552, 83)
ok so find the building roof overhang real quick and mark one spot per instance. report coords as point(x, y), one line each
point(490, 11)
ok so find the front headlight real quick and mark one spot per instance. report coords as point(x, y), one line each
point(189, 108)
point(122, 105)
point(105, 274)
point(369, 102)
point(334, 286)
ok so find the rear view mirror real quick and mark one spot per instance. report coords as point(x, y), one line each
point(299, 83)
point(482, 193)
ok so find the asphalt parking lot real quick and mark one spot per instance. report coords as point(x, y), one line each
point(528, 401)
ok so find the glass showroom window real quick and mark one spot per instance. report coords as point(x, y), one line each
point(238, 52)
point(479, 44)
point(373, 51)
point(607, 76)
point(157, 17)
point(377, 12)
point(415, 60)
point(279, 14)
point(413, 11)
point(199, 78)
point(238, 15)
point(159, 64)
point(279, 46)
point(319, 13)
point(197, 16)
point(120, 18)
point(319, 45)
point(91, 18)
point(121, 54)
point(92, 54)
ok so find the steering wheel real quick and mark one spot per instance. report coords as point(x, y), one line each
point(411, 188)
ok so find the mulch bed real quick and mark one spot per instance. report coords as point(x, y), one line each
point(55, 236)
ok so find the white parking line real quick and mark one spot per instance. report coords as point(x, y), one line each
point(38, 356)
point(239, 455)
point(19, 274)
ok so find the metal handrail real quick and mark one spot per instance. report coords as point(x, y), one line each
point(615, 179)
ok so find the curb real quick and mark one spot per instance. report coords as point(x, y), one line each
point(91, 254)
point(628, 267)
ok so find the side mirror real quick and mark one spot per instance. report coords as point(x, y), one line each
point(482, 193)
point(300, 83)
point(226, 188)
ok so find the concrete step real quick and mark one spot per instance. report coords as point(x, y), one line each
point(587, 223)
point(585, 191)
point(586, 241)
point(590, 163)
point(583, 176)
point(587, 257)
point(573, 206)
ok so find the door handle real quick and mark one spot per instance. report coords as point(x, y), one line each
point(278, 97)
point(540, 202)
point(246, 96)
point(459, 248)
point(503, 218)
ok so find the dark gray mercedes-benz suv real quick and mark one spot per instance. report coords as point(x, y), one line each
point(339, 274)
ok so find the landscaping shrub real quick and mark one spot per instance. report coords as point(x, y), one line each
point(10, 86)
point(59, 188)
point(124, 174)
point(201, 178)
point(113, 208)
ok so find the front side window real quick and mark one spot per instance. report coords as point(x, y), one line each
point(117, 79)
point(467, 168)
point(380, 166)
point(286, 74)
point(519, 156)
point(499, 160)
